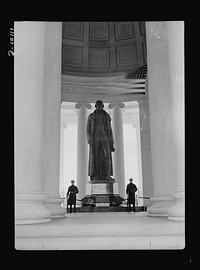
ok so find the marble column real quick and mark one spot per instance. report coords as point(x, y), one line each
point(63, 126)
point(161, 119)
point(28, 122)
point(82, 148)
point(136, 126)
point(51, 119)
point(176, 60)
point(145, 149)
point(118, 155)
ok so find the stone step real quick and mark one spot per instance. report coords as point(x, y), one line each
point(102, 231)
point(139, 242)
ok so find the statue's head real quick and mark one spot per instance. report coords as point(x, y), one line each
point(99, 104)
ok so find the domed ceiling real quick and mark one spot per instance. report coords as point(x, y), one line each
point(102, 48)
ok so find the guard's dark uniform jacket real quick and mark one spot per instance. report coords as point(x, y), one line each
point(130, 191)
point(72, 191)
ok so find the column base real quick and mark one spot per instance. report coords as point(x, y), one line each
point(177, 211)
point(147, 203)
point(30, 208)
point(160, 206)
point(53, 203)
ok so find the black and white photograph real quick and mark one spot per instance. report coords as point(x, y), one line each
point(99, 135)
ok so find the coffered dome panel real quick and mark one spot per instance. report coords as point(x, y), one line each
point(124, 30)
point(98, 31)
point(72, 56)
point(102, 48)
point(99, 57)
point(73, 30)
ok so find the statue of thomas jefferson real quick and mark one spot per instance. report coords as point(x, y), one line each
point(100, 139)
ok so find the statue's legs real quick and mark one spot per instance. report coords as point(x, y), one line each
point(106, 151)
point(99, 159)
point(96, 157)
point(102, 157)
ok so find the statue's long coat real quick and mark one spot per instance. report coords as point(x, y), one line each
point(90, 134)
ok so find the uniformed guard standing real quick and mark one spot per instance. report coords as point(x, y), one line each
point(71, 195)
point(130, 191)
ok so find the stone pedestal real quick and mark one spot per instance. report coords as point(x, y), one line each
point(101, 188)
point(102, 193)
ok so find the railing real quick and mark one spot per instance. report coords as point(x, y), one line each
point(91, 202)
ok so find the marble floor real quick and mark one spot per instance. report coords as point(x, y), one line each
point(94, 231)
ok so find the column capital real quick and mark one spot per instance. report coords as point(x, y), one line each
point(82, 104)
point(121, 105)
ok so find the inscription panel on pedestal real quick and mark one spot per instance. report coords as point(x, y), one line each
point(104, 188)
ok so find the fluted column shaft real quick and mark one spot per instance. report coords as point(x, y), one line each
point(51, 118)
point(28, 122)
point(161, 119)
point(139, 165)
point(145, 149)
point(166, 102)
point(62, 145)
point(82, 149)
point(176, 61)
point(118, 155)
